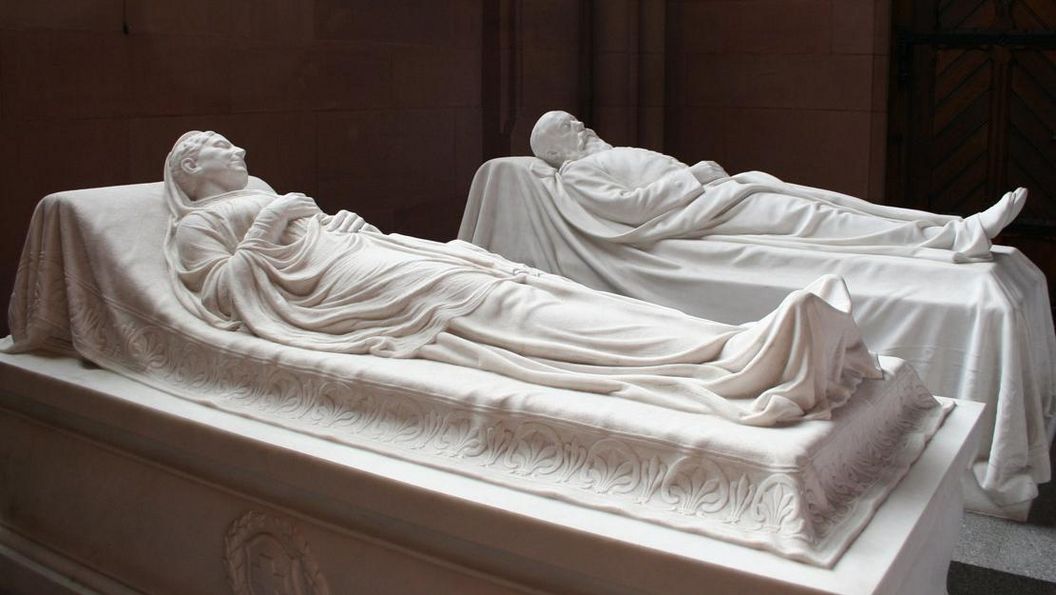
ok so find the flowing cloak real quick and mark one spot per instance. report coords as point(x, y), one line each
point(636, 196)
point(397, 296)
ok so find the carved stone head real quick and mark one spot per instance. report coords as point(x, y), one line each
point(559, 137)
point(205, 164)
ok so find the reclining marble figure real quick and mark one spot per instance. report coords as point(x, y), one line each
point(976, 328)
point(276, 266)
point(636, 196)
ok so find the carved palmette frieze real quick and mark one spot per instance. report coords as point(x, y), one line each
point(39, 304)
point(797, 513)
point(611, 467)
point(267, 554)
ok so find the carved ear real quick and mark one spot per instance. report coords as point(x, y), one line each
point(189, 165)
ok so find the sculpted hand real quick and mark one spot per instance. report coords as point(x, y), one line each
point(294, 205)
point(272, 220)
point(707, 171)
point(346, 221)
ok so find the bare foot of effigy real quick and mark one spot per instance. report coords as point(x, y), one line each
point(1003, 212)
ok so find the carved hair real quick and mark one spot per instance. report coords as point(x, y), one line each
point(542, 126)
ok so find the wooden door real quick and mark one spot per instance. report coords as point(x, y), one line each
point(973, 112)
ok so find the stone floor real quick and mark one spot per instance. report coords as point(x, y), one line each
point(996, 556)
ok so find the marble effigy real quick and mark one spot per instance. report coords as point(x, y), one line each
point(276, 266)
point(628, 195)
point(94, 282)
point(972, 330)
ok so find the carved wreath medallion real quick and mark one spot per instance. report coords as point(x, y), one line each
point(266, 555)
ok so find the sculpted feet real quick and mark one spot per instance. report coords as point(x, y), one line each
point(833, 290)
point(1003, 212)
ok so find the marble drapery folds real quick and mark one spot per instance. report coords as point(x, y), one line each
point(636, 196)
point(395, 296)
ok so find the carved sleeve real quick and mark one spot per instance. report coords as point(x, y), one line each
point(205, 243)
point(604, 195)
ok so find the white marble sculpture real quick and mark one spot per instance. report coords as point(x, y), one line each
point(637, 196)
point(278, 267)
point(93, 283)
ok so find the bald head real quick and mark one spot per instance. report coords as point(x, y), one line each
point(559, 137)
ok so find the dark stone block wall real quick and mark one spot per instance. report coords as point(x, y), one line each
point(796, 88)
point(376, 105)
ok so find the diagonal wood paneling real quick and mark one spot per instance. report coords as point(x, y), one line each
point(1032, 132)
point(1019, 15)
point(974, 113)
point(1034, 15)
point(964, 168)
point(966, 14)
point(960, 129)
point(986, 132)
point(966, 122)
point(953, 58)
point(959, 86)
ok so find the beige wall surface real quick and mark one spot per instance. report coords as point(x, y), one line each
point(382, 106)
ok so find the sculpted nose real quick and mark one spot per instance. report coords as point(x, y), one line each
point(240, 152)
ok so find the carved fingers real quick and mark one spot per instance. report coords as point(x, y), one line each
point(294, 206)
point(347, 221)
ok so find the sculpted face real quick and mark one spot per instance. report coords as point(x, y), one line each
point(220, 166)
point(558, 137)
point(208, 164)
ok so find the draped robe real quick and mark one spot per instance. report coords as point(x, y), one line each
point(396, 296)
point(636, 196)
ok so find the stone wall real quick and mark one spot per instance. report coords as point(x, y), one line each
point(796, 88)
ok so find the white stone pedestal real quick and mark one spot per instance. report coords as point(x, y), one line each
point(111, 485)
